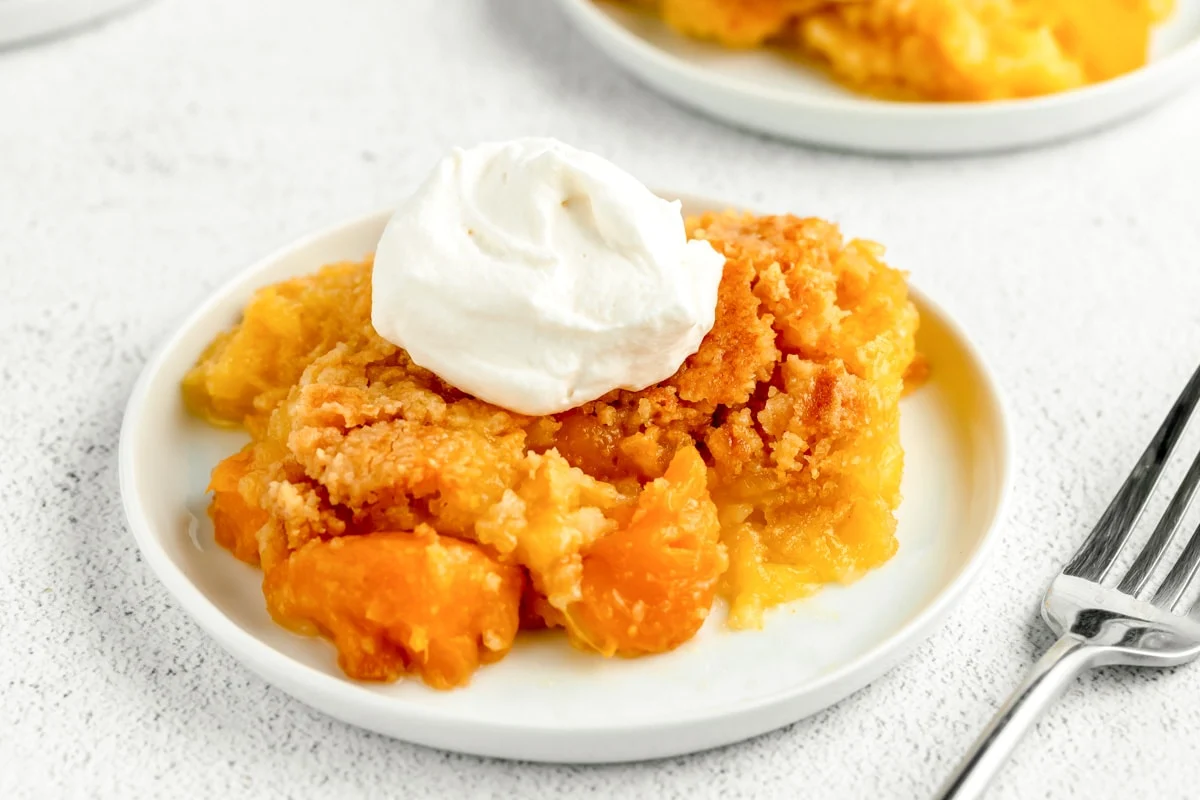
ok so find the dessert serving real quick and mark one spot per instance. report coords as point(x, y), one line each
point(548, 401)
point(942, 50)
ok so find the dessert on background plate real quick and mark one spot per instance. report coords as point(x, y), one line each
point(474, 433)
point(942, 50)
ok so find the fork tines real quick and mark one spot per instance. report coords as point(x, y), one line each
point(1099, 552)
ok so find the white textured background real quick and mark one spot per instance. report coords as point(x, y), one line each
point(143, 162)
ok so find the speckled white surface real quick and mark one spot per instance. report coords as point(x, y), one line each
point(142, 162)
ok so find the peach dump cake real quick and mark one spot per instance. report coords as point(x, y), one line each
point(421, 528)
point(964, 50)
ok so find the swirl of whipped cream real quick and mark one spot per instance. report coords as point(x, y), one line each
point(538, 277)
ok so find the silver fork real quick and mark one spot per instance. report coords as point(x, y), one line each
point(1098, 625)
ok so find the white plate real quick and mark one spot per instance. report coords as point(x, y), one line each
point(766, 92)
point(25, 20)
point(545, 701)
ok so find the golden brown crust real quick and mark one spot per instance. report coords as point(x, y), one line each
point(784, 426)
point(937, 49)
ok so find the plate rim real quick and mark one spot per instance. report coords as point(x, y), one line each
point(292, 676)
point(28, 22)
point(591, 20)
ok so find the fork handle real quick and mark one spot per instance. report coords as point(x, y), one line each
point(1050, 677)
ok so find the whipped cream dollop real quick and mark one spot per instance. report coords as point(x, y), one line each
point(537, 277)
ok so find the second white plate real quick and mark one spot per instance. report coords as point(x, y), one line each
point(766, 92)
point(28, 20)
point(545, 701)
